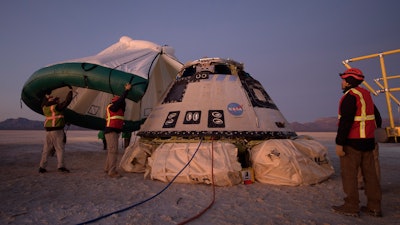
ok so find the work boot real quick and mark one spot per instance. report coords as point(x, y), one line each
point(63, 170)
point(42, 170)
point(345, 210)
point(374, 213)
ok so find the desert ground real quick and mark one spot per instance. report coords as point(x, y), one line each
point(87, 195)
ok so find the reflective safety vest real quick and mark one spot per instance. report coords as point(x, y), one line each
point(114, 119)
point(364, 122)
point(54, 118)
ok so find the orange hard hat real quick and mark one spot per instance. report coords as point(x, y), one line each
point(352, 72)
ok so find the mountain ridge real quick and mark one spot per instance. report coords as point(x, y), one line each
point(26, 124)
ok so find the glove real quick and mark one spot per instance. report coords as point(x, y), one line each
point(128, 86)
point(339, 151)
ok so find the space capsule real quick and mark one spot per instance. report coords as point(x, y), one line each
point(216, 97)
point(213, 124)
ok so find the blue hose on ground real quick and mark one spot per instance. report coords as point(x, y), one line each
point(213, 186)
point(146, 200)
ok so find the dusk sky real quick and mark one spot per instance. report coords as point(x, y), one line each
point(294, 48)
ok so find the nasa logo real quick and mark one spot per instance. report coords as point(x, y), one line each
point(235, 109)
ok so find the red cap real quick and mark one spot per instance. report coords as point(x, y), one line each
point(115, 98)
point(51, 98)
point(352, 72)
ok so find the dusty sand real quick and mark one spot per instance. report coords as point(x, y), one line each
point(86, 193)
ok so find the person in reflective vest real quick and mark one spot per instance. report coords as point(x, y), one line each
point(54, 124)
point(355, 143)
point(114, 123)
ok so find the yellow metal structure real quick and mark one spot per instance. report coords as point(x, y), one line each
point(393, 131)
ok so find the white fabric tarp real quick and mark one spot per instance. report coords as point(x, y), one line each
point(170, 158)
point(135, 156)
point(290, 162)
point(134, 56)
point(156, 63)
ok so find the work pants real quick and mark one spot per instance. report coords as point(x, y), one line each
point(112, 152)
point(377, 167)
point(349, 165)
point(54, 139)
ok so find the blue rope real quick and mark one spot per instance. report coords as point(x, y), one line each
point(213, 187)
point(146, 200)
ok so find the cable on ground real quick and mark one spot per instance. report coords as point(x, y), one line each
point(146, 200)
point(213, 187)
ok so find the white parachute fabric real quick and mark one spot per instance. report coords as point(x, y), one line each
point(290, 162)
point(169, 158)
point(133, 56)
point(155, 63)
